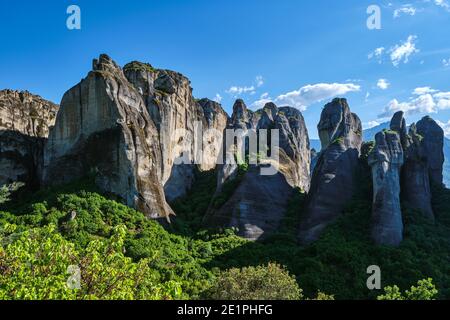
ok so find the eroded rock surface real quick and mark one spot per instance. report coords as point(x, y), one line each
point(183, 125)
point(333, 179)
point(104, 128)
point(259, 202)
point(24, 125)
point(386, 161)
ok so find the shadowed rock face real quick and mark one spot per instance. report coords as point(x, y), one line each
point(386, 160)
point(169, 101)
point(433, 144)
point(259, 203)
point(333, 179)
point(415, 180)
point(24, 124)
point(257, 206)
point(416, 156)
point(103, 127)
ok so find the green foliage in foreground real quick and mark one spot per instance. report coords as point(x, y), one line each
point(269, 282)
point(75, 225)
point(40, 264)
point(425, 290)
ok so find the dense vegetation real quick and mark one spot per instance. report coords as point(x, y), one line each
point(121, 254)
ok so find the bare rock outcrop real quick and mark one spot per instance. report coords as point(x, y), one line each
point(386, 161)
point(29, 114)
point(104, 128)
point(183, 123)
point(333, 179)
point(415, 179)
point(433, 144)
point(404, 163)
point(259, 202)
point(25, 120)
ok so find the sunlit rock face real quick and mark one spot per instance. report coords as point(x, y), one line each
point(104, 129)
point(183, 124)
point(25, 120)
point(333, 179)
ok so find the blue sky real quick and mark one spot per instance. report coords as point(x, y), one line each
point(296, 52)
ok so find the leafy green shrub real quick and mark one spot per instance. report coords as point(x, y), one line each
point(425, 290)
point(34, 264)
point(271, 282)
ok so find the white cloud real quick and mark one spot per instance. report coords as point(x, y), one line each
point(383, 84)
point(402, 52)
point(423, 90)
point(445, 126)
point(236, 91)
point(442, 3)
point(370, 124)
point(261, 102)
point(446, 62)
point(218, 98)
point(405, 9)
point(307, 95)
point(426, 100)
point(259, 81)
point(377, 54)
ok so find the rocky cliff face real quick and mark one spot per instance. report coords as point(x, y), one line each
point(404, 163)
point(24, 124)
point(386, 161)
point(104, 128)
point(259, 202)
point(333, 179)
point(29, 114)
point(433, 144)
point(183, 125)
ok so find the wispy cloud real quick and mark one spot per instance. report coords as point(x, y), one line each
point(377, 54)
point(398, 53)
point(237, 91)
point(402, 52)
point(218, 98)
point(406, 9)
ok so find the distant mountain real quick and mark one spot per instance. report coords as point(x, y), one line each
point(369, 134)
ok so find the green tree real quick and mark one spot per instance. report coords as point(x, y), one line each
point(34, 264)
point(425, 290)
point(271, 282)
point(7, 190)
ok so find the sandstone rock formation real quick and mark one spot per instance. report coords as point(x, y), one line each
point(24, 124)
point(333, 179)
point(386, 161)
point(29, 114)
point(405, 163)
point(104, 128)
point(259, 202)
point(183, 124)
point(415, 180)
point(433, 143)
